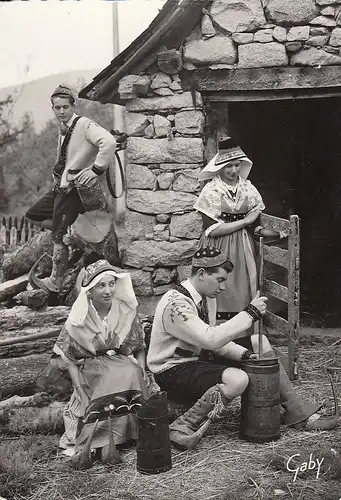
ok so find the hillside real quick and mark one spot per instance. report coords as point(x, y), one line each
point(34, 96)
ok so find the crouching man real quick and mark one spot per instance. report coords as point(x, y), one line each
point(184, 324)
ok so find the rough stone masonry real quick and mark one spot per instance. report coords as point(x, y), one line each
point(166, 125)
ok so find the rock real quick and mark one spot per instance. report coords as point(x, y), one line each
point(164, 91)
point(186, 226)
point(163, 218)
point(293, 46)
point(142, 282)
point(34, 299)
point(258, 55)
point(165, 180)
point(291, 12)
point(219, 49)
point(323, 21)
point(149, 132)
point(150, 202)
point(187, 181)
point(174, 238)
point(174, 102)
point(314, 57)
point(263, 36)
point(161, 235)
point(162, 126)
point(328, 11)
point(326, 2)
point(179, 150)
point(298, 34)
point(164, 275)
point(136, 123)
point(184, 272)
point(175, 87)
point(242, 38)
point(159, 253)
point(189, 122)
point(332, 50)
point(171, 118)
point(160, 290)
point(280, 34)
point(169, 61)
point(318, 30)
point(178, 166)
point(238, 15)
point(317, 41)
point(207, 28)
point(338, 19)
point(176, 78)
point(335, 39)
point(131, 86)
point(139, 177)
point(160, 80)
point(137, 225)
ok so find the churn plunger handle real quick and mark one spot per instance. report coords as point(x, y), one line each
point(261, 286)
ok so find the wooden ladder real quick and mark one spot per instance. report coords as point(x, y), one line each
point(290, 260)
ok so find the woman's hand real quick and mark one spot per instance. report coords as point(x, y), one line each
point(251, 217)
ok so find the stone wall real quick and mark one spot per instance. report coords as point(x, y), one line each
point(266, 33)
point(166, 125)
point(165, 153)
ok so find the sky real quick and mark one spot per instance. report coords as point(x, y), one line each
point(39, 38)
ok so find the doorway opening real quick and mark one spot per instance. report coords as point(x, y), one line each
point(295, 147)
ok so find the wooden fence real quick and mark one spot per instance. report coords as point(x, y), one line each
point(15, 231)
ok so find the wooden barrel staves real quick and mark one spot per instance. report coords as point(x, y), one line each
point(260, 402)
point(153, 445)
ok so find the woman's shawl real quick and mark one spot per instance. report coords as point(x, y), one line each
point(85, 335)
point(210, 199)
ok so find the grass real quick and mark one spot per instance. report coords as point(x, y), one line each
point(222, 468)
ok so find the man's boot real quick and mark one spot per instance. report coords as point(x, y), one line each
point(53, 282)
point(298, 413)
point(187, 430)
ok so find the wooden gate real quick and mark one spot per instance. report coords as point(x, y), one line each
point(288, 259)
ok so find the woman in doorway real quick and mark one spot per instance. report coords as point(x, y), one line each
point(230, 205)
point(96, 343)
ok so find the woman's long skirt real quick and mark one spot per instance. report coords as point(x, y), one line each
point(241, 285)
point(104, 376)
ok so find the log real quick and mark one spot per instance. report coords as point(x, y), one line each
point(13, 287)
point(33, 420)
point(18, 375)
point(39, 399)
point(20, 262)
point(16, 321)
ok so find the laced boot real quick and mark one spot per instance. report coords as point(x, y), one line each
point(298, 413)
point(53, 282)
point(109, 453)
point(187, 430)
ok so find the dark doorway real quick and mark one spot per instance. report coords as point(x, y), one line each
point(296, 150)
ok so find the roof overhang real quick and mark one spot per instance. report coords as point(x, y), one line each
point(175, 21)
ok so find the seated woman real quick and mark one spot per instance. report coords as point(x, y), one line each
point(96, 343)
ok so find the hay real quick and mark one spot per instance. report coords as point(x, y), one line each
point(222, 468)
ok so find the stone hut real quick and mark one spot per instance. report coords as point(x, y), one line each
point(268, 73)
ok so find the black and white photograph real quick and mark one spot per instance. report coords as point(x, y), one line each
point(170, 242)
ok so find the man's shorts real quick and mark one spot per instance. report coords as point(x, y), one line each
point(63, 209)
point(187, 382)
